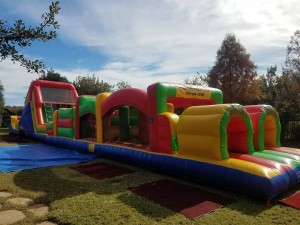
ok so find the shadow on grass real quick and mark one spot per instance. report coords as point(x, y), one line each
point(286, 194)
point(58, 184)
point(146, 207)
point(61, 183)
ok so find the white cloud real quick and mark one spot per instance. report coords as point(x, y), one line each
point(167, 40)
point(179, 34)
point(16, 81)
point(118, 71)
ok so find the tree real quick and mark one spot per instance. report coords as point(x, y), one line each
point(287, 100)
point(16, 110)
point(53, 76)
point(269, 86)
point(91, 85)
point(293, 53)
point(2, 100)
point(289, 97)
point(122, 84)
point(281, 91)
point(196, 80)
point(21, 36)
point(234, 73)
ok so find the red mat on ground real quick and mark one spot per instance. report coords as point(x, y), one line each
point(187, 200)
point(293, 201)
point(102, 170)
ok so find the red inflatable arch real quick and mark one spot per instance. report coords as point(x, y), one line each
point(131, 97)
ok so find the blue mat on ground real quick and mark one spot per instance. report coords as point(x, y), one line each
point(22, 157)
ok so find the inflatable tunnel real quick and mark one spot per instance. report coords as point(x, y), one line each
point(223, 132)
point(267, 130)
point(123, 116)
point(210, 131)
point(85, 114)
point(266, 124)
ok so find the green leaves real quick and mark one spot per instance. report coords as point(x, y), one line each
point(2, 100)
point(19, 35)
point(122, 84)
point(293, 52)
point(234, 73)
point(91, 85)
point(53, 76)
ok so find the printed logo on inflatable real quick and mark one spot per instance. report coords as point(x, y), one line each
point(237, 110)
point(186, 91)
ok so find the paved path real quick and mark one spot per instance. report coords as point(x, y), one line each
point(13, 216)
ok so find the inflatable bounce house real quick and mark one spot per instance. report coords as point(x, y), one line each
point(182, 130)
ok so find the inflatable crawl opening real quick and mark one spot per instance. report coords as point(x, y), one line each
point(266, 125)
point(270, 131)
point(239, 130)
point(88, 127)
point(213, 131)
point(125, 117)
point(125, 124)
point(237, 135)
point(86, 118)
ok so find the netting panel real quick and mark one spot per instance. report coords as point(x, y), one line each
point(57, 95)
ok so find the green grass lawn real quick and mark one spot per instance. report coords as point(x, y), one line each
point(78, 199)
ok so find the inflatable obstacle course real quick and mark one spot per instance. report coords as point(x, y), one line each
point(183, 130)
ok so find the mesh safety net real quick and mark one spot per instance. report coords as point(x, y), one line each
point(57, 95)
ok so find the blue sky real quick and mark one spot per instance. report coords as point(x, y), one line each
point(143, 42)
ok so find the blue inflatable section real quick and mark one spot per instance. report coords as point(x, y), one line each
point(211, 174)
point(26, 123)
point(21, 157)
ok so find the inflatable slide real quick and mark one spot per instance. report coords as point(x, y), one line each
point(182, 130)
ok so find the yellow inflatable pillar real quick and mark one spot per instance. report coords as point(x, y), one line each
point(99, 99)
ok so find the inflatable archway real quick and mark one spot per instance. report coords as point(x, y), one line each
point(209, 131)
point(267, 130)
point(85, 114)
point(266, 125)
point(122, 100)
